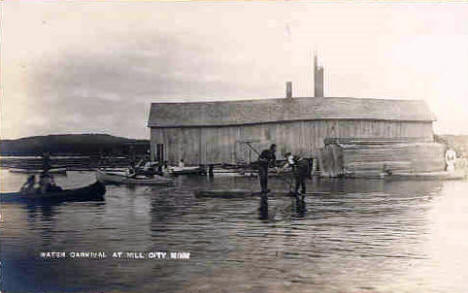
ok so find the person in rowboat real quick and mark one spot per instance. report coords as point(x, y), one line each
point(148, 169)
point(29, 186)
point(44, 182)
point(131, 172)
point(47, 184)
point(144, 167)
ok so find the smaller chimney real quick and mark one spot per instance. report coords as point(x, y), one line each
point(288, 90)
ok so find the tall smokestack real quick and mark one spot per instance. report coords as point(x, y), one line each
point(288, 90)
point(318, 79)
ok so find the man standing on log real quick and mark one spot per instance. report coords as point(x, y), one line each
point(266, 159)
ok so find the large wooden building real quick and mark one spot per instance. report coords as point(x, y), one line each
point(217, 132)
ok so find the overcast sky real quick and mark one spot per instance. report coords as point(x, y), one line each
point(80, 67)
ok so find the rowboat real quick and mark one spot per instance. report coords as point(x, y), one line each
point(113, 170)
point(122, 178)
point(58, 171)
point(185, 170)
point(91, 192)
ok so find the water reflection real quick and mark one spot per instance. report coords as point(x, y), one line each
point(263, 208)
point(300, 207)
point(348, 236)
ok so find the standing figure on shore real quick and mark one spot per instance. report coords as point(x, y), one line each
point(266, 159)
point(181, 163)
point(300, 168)
point(450, 159)
point(45, 162)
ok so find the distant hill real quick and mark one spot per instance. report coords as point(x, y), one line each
point(72, 144)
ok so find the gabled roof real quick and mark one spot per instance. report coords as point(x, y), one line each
point(246, 112)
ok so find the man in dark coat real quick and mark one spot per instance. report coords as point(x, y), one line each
point(266, 159)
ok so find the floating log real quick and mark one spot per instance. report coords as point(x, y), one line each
point(442, 175)
point(245, 193)
point(233, 193)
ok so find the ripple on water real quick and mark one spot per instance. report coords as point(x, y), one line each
point(352, 236)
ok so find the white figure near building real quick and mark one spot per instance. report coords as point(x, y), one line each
point(181, 163)
point(450, 159)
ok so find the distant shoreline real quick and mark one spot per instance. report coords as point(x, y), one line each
point(104, 145)
point(73, 145)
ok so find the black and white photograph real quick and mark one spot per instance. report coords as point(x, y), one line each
point(233, 146)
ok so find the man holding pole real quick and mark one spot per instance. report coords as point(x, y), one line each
point(266, 159)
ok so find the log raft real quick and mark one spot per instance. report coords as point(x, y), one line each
point(246, 193)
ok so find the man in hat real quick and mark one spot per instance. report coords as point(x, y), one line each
point(300, 167)
point(266, 159)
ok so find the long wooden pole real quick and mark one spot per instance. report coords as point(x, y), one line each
point(283, 179)
point(248, 143)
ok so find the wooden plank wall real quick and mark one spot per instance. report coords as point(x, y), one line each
point(373, 160)
point(204, 145)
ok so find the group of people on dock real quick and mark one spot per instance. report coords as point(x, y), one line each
point(299, 165)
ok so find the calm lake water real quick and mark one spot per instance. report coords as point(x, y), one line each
point(351, 236)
